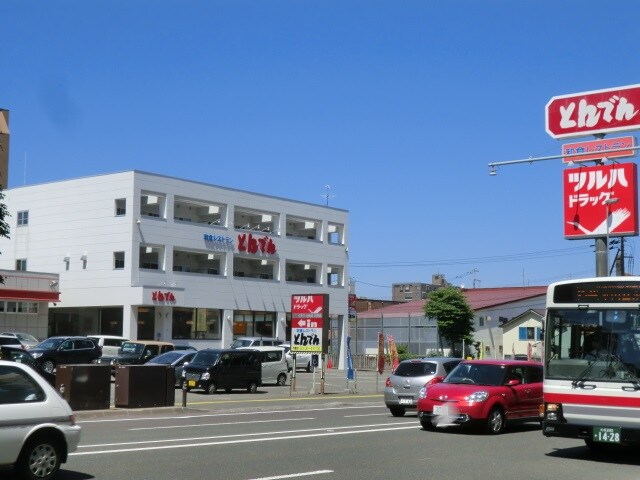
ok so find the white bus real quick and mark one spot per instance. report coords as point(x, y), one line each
point(592, 361)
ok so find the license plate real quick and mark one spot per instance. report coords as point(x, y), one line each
point(405, 401)
point(440, 410)
point(606, 434)
point(191, 383)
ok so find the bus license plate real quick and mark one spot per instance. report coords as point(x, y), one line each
point(606, 434)
point(405, 401)
point(440, 410)
point(191, 383)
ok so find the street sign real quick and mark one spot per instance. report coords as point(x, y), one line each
point(309, 323)
point(597, 149)
point(600, 201)
point(597, 111)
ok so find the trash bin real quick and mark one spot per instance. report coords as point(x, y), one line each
point(142, 386)
point(85, 387)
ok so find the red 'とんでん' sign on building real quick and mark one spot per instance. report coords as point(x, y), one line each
point(601, 200)
point(597, 111)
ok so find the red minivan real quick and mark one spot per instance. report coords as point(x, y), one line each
point(487, 392)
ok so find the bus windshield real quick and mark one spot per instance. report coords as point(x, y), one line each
point(592, 344)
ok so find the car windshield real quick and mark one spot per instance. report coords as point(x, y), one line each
point(241, 343)
point(166, 358)
point(50, 343)
point(25, 337)
point(205, 358)
point(415, 369)
point(130, 348)
point(476, 374)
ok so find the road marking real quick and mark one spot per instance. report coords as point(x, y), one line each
point(235, 414)
point(293, 475)
point(286, 399)
point(368, 415)
point(191, 439)
point(224, 423)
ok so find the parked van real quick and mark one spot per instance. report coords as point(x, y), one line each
point(211, 369)
point(255, 342)
point(274, 364)
point(110, 344)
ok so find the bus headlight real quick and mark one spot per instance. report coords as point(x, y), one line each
point(552, 411)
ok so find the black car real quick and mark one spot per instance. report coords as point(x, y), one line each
point(211, 369)
point(136, 352)
point(14, 353)
point(175, 359)
point(56, 351)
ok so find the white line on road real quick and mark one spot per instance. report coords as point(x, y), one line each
point(223, 423)
point(293, 475)
point(247, 440)
point(235, 414)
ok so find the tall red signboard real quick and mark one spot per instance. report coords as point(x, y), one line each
point(601, 200)
point(309, 323)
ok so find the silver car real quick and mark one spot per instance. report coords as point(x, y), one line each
point(402, 387)
point(38, 428)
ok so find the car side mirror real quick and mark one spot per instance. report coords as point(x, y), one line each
point(512, 382)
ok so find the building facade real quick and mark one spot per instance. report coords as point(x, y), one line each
point(149, 256)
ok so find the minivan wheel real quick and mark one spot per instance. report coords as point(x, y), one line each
point(40, 459)
point(282, 379)
point(49, 366)
point(211, 388)
point(252, 388)
point(397, 411)
point(495, 421)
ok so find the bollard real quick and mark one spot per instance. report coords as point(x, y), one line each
point(184, 394)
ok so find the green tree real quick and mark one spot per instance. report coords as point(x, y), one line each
point(453, 314)
point(4, 226)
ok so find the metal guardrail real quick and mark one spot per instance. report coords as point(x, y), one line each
point(361, 362)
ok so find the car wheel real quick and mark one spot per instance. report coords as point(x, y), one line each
point(40, 459)
point(252, 388)
point(427, 423)
point(397, 411)
point(49, 366)
point(211, 388)
point(282, 379)
point(495, 421)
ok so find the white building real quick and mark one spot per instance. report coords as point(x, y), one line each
point(150, 256)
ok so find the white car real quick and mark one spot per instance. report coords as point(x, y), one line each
point(42, 430)
point(303, 360)
point(25, 339)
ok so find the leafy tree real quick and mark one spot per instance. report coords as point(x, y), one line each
point(4, 226)
point(453, 314)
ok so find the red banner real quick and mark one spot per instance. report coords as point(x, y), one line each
point(380, 352)
point(393, 352)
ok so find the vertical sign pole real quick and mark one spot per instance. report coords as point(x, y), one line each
point(293, 373)
point(322, 358)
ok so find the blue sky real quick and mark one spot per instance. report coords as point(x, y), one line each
point(397, 106)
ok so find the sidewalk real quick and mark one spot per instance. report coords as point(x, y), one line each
point(367, 387)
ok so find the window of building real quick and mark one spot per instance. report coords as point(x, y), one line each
point(204, 263)
point(23, 218)
point(481, 321)
point(266, 222)
point(335, 233)
point(529, 333)
point(334, 275)
point(121, 207)
point(196, 323)
point(152, 205)
point(302, 272)
point(21, 264)
point(260, 268)
point(151, 257)
point(253, 324)
point(186, 210)
point(303, 228)
point(118, 260)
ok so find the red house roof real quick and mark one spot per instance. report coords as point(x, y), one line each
point(478, 298)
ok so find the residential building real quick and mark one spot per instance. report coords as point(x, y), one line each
point(408, 325)
point(149, 256)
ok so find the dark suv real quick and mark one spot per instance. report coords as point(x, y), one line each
point(56, 351)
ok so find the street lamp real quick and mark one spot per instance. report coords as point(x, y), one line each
point(607, 203)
